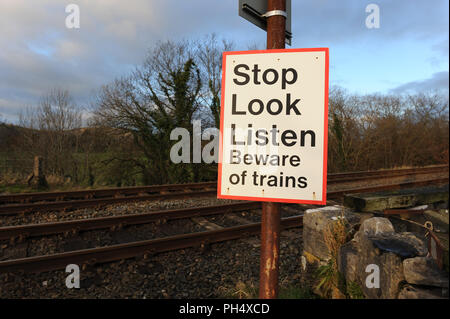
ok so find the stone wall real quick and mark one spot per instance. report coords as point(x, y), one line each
point(384, 263)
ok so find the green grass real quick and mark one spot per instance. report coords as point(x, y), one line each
point(18, 188)
point(354, 291)
point(296, 292)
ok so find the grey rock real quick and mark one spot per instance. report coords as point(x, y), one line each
point(377, 226)
point(316, 221)
point(348, 261)
point(368, 253)
point(424, 271)
point(376, 243)
point(414, 292)
point(390, 270)
point(406, 245)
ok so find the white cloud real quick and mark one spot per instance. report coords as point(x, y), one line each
point(437, 82)
point(39, 52)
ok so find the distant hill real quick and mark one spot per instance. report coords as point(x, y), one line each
point(98, 138)
point(8, 134)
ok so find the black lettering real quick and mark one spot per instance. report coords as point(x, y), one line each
point(233, 106)
point(272, 181)
point(244, 75)
point(290, 105)
point(236, 179)
point(233, 136)
point(255, 176)
point(255, 74)
point(294, 160)
point(261, 136)
point(261, 159)
point(237, 156)
point(288, 135)
point(261, 179)
point(290, 178)
point(280, 107)
point(302, 182)
point(310, 133)
point(274, 132)
point(261, 107)
point(247, 159)
point(275, 76)
point(284, 80)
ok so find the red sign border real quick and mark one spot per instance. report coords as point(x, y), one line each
point(325, 146)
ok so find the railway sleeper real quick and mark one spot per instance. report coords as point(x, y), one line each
point(14, 240)
point(161, 221)
point(205, 246)
point(148, 254)
point(117, 227)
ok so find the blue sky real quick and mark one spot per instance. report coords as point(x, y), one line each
point(408, 53)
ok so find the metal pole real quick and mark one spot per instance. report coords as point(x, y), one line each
point(270, 219)
point(276, 25)
point(270, 251)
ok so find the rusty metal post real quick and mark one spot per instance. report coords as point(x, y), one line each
point(270, 251)
point(276, 25)
point(270, 219)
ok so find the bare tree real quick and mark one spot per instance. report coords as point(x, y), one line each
point(210, 60)
point(49, 131)
point(161, 94)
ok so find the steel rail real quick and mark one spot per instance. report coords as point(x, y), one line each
point(373, 175)
point(33, 230)
point(434, 168)
point(97, 202)
point(15, 209)
point(124, 191)
point(144, 248)
point(24, 231)
point(135, 249)
point(390, 187)
point(98, 193)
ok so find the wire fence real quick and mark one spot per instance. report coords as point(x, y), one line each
point(15, 168)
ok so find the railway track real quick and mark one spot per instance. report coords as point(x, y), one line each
point(95, 198)
point(18, 233)
point(148, 247)
point(135, 249)
point(117, 222)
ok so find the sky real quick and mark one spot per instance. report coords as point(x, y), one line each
point(408, 52)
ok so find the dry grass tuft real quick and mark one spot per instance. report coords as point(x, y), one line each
point(330, 280)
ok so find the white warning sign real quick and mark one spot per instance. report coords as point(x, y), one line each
point(274, 124)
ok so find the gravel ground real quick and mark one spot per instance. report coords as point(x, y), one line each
point(91, 239)
point(216, 272)
point(111, 210)
point(220, 271)
point(98, 238)
point(133, 208)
